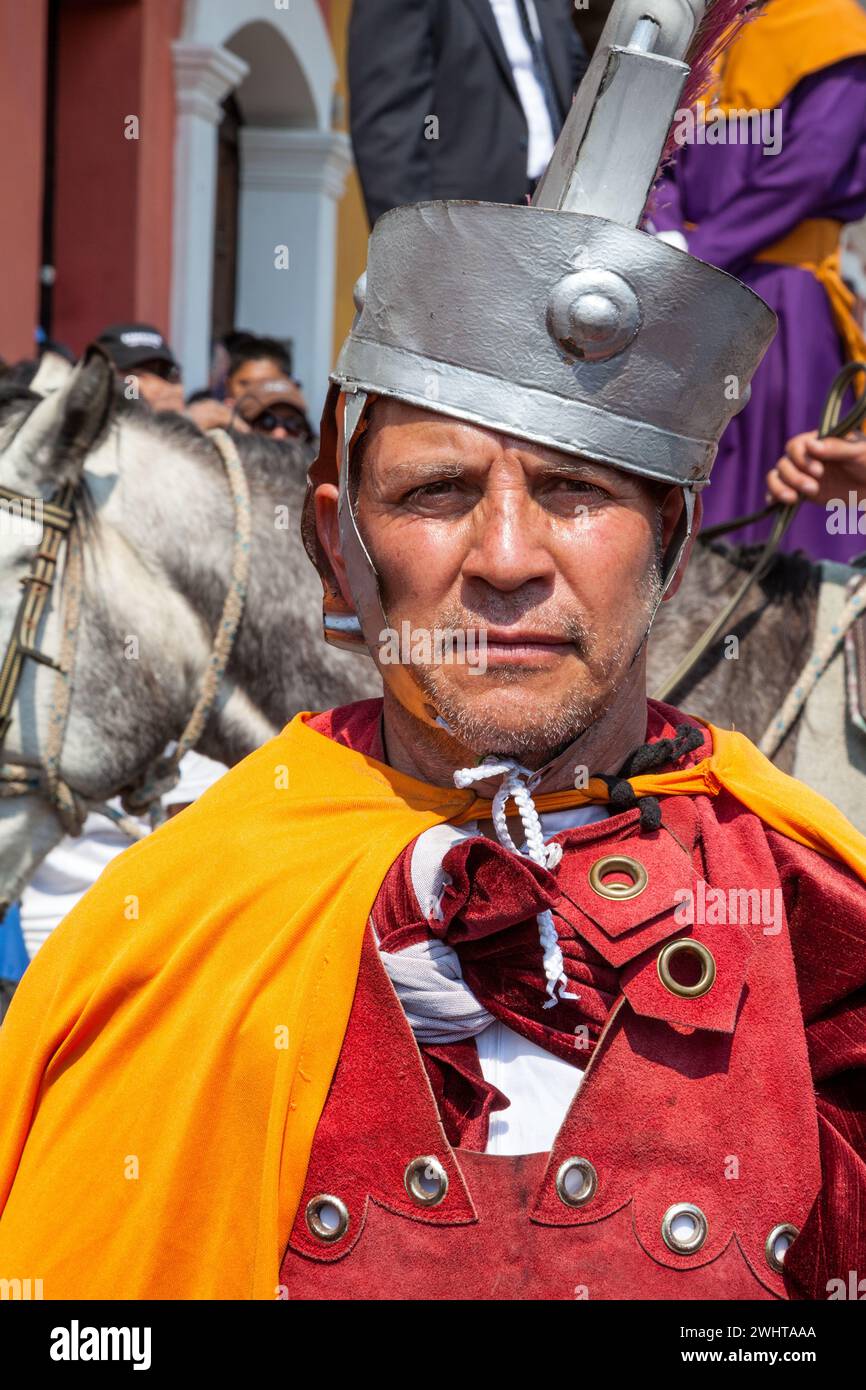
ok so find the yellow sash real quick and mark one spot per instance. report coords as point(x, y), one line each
point(815, 245)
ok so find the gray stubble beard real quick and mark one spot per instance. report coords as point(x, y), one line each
point(479, 730)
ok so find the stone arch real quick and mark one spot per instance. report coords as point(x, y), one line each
point(278, 63)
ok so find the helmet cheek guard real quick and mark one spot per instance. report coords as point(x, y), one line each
point(340, 622)
point(345, 624)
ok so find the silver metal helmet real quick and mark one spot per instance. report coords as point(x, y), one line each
point(556, 322)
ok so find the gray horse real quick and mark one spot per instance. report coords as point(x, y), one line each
point(157, 523)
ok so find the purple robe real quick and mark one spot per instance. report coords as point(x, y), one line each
point(743, 201)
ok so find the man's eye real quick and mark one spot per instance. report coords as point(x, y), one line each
point(428, 492)
point(574, 486)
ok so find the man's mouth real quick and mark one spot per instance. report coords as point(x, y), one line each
point(518, 647)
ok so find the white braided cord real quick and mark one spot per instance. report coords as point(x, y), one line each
point(513, 787)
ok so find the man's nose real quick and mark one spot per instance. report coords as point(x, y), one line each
point(509, 542)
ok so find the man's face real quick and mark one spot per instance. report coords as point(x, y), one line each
point(281, 421)
point(251, 375)
point(159, 384)
point(551, 559)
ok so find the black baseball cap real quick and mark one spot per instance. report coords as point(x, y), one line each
point(130, 344)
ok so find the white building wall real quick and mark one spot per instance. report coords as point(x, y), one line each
point(279, 63)
point(289, 182)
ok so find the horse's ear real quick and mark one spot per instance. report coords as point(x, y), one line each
point(53, 443)
point(54, 371)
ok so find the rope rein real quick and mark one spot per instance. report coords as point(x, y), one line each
point(812, 672)
point(163, 775)
point(69, 808)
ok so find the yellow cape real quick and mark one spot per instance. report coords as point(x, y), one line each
point(791, 40)
point(168, 1053)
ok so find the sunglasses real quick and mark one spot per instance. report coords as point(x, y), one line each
point(294, 425)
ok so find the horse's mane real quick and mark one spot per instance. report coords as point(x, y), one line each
point(163, 425)
point(270, 460)
point(793, 576)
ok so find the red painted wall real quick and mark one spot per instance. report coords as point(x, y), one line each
point(162, 20)
point(22, 93)
point(113, 194)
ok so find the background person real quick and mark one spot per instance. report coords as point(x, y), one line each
point(498, 76)
point(820, 470)
point(245, 365)
point(774, 221)
point(139, 351)
point(277, 408)
point(253, 361)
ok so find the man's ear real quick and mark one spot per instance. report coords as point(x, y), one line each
point(673, 508)
point(325, 501)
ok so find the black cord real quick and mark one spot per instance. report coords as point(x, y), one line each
point(649, 757)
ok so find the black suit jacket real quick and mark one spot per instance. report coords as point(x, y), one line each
point(413, 59)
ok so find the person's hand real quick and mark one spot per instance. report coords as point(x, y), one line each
point(211, 414)
point(819, 470)
point(158, 393)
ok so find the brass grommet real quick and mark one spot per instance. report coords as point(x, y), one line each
point(327, 1217)
point(685, 946)
point(618, 864)
point(679, 1243)
point(426, 1181)
point(576, 1194)
point(787, 1232)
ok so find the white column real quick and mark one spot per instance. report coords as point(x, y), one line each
point(204, 75)
point(291, 182)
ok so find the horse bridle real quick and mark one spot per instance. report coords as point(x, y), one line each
point(58, 522)
point(58, 519)
point(833, 425)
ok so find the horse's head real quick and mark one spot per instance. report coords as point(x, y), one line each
point(48, 430)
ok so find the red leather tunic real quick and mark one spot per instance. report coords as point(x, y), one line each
point(704, 1100)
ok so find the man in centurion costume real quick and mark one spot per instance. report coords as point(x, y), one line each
point(514, 985)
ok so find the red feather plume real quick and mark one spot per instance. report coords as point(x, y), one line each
point(722, 23)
